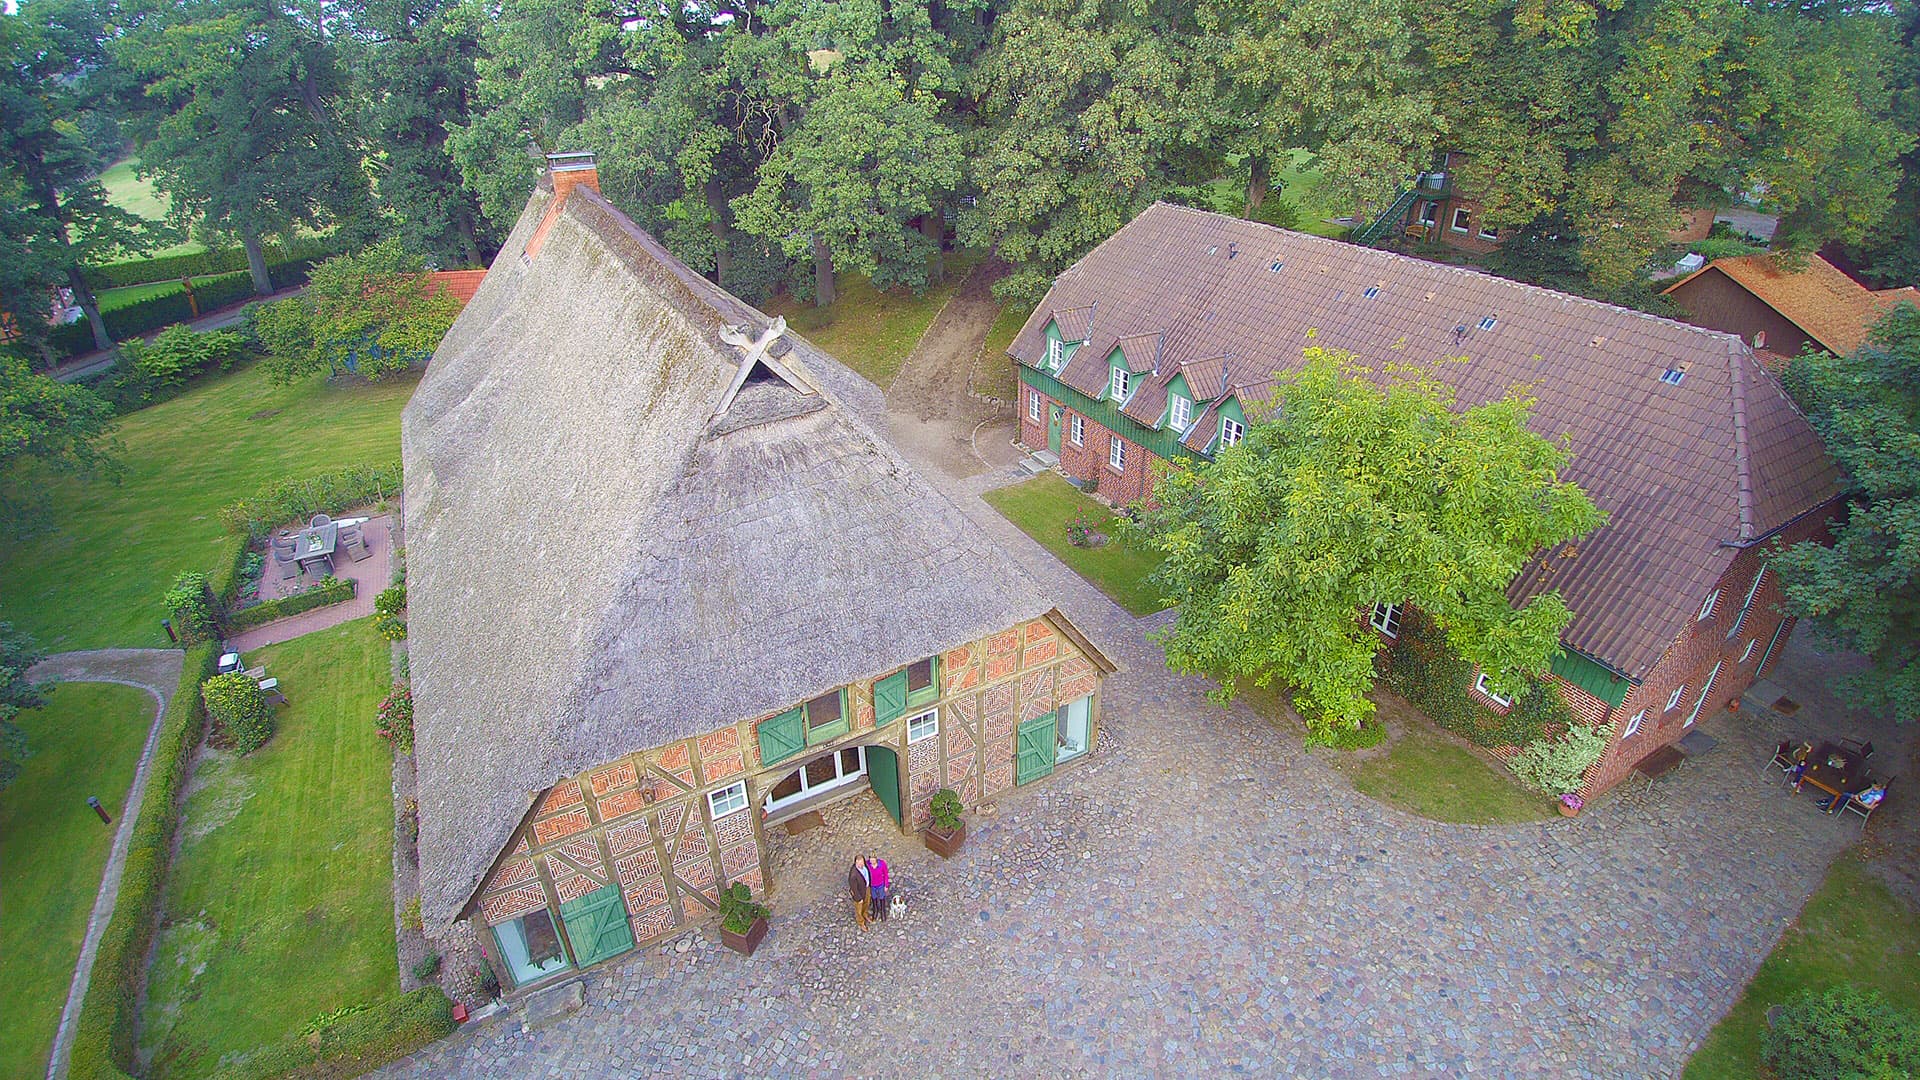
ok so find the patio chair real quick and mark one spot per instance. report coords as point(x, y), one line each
point(283, 558)
point(1864, 749)
point(356, 546)
point(1782, 758)
point(1866, 812)
point(318, 520)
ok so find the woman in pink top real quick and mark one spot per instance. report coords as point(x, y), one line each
point(877, 884)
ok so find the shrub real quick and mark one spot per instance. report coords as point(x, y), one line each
point(177, 354)
point(228, 575)
point(328, 590)
point(200, 264)
point(242, 719)
point(427, 968)
point(391, 605)
point(946, 810)
point(1555, 766)
point(1842, 1034)
point(410, 915)
point(189, 604)
point(395, 721)
point(738, 909)
point(355, 1041)
point(298, 500)
point(103, 1041)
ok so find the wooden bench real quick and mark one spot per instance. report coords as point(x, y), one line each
point(1659, 763)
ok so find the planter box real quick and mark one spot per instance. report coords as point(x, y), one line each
point(946, 845)
point(744, 944)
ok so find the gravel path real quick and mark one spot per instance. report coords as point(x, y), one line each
point(1203, 897)
point(933, 418)
point(157, 671)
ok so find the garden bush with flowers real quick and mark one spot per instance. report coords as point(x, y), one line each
point(395, 719)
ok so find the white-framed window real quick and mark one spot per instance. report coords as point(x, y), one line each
point(1073, 729)
point(1460, 219)
point(1481, 684)
point(1055, 350)
point(1117, 454)
point(1429, 213)
point(1078, 429)
point(1033, 405)
point(1386, 619)
point(1704, 692)
point(1674, 699)
point(842, 767)
point(1230, 431)
point(728, 800)
point(1489, 234)
point(1633, 725)
point(1748, 651)
point(1706, 609)
point(1179, 412)
point(1489, 323)
point(924, 726)
point(1371, 292)
point(1117, 384)
point(1746, 605)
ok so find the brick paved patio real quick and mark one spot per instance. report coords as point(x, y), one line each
point(1204, 898)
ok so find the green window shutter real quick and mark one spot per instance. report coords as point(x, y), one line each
point(597, 925)
point(890, 697)
point(782, 736)
point(1034, 751)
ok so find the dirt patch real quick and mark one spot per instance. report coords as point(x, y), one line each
point(935, 420)
point(263, 414)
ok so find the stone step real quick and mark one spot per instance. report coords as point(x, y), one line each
point(1047, 458)
point(1031, 467)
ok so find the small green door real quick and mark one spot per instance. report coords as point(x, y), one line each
point(597, 925)
point(1034, 752)
point(1053, 428)
point(883, 775)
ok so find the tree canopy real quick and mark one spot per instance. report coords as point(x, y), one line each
point(377, 311)
point(1350, 493)
point(1866, 587)
point(45, 425)
point(17, 654)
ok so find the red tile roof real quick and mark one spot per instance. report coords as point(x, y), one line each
point(461, 283)
point(1687, 472)
point(1819, 298)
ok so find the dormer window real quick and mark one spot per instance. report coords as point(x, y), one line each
point(1179, 412)
point(1056, 350)
point(1230, 431)
point(1117, 385)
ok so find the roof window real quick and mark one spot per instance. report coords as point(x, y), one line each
point(1274, 266)
point(1673, 375)
point(1489, 323)
point(1372, 292)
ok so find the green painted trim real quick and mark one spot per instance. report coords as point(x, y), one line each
point(1163, 443)
point(782, 736)
point(816, 736)
point(1590, 675)
point(930, 692)
point(1034, 749)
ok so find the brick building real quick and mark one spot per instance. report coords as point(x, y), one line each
point(1156, 344)
point(668, 588)
point(1783, 309)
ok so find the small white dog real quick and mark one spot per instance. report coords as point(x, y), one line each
point(897, 906)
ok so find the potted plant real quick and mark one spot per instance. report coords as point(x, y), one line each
point(743, 923)
point(1570, 804)
point(948, 832)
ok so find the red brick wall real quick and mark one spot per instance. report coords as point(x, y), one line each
point(1088, 461)
point(1691, 657)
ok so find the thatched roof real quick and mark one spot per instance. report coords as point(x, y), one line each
point(599, 564)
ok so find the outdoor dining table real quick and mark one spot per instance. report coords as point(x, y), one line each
point(1832, 779)
point(316, 544)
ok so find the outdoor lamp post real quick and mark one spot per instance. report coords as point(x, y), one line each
point(94, 801)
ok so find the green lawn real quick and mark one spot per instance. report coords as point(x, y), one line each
point(871, 331)
point(115, 299)
point(1852, 930)
point(1425, 773)
point(1044, 505)
point(85, 741)
point(279, 908)
point(993, 371)
point(93, 578)
point(141, 199)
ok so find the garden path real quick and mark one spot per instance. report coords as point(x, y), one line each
point(157, 671)
point(371, 577)
point(933, 418)
point(1201, 897)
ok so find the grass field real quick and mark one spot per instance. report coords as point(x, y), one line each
point(141, 199)
point(1852, 930)
point(93, 577)
point(1424, 772)
point(280, 903)
point(1044, 505)
point(85, 741)
point(871, 331)
point(115, 299)
point(993, 371)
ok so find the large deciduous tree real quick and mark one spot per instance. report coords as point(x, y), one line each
point(45, 425)
point(57, 218)
point(377, 311)
point(1866, 587)
point(1347, 494)
point(17, 654)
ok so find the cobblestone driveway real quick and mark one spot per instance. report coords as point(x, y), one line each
point(1204, 898)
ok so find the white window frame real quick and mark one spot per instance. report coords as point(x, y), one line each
point(1707, 609)
point(1033, 405)
point(1077, 429)
point(1119, 380)
point(727, 795)
point(1673, 702)
point(1117, 454)
point(1488, 234)
point(1430, 214)
point(1481, 684)
point(1056, 349)
point(1179, 412)
point(1746, 605)
point(841, 778)
point(927, 724)
point(1231, 432)
point(1633, 725)
point(1386, 619)
point(1704, 691)
point(1461, 221)
point(1748, 651)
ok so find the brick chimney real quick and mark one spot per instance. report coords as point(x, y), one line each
point(573, 170)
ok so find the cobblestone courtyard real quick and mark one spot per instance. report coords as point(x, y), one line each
point(1201, 897)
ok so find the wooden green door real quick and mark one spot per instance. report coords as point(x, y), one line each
point(883, 775)
point(597, 925)
point(1053, 428)
point(1033, 753)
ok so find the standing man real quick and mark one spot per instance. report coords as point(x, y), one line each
point(862, 892)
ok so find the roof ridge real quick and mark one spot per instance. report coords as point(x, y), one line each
point(1742, 454)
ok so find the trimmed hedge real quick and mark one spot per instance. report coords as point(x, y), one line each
point(199, 264)
point(145, 316)
point(298, 500)
point(354, 1043)
point(103, 1041)
point(333, 590)
point(224, 579)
